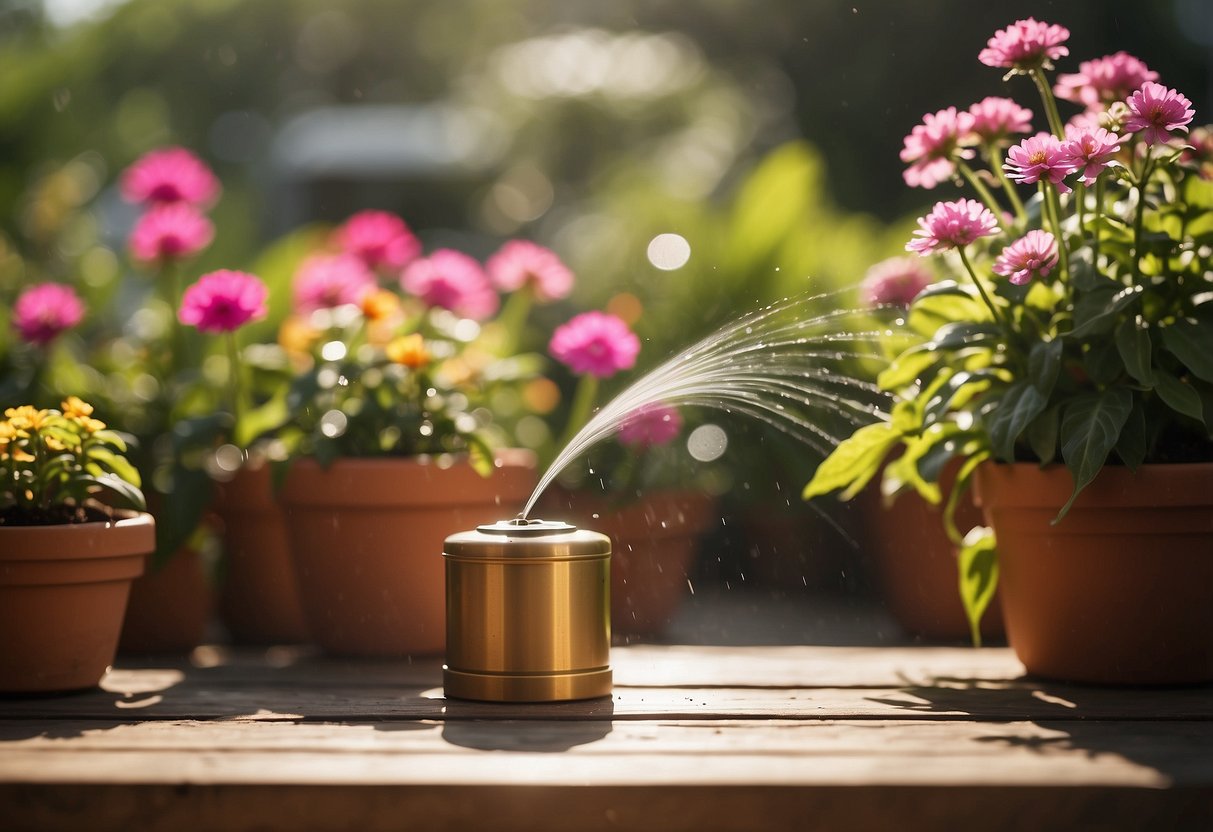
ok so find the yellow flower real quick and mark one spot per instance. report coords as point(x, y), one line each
point(76, 408)
point(26, 418)
point(408, 350)
point(380, 305)
point(297, 336)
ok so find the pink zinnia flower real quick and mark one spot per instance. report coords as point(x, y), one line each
point(380, 239)
point(223, 301)
point(595, 343)
point(1032, 255)
point(170, 231)
point(45, 310)
point(1158, 111)
point(1091, 151)
point(650, 425)
point(326, 281)
point(1025, 44)
point(522, 263)
point(952, 224)
point(1040, 157)
point(1086, 120)
point(896, 281)
point(1104, 80)
point(449, 279)
point(170, 174)
point(933, 146)
point(995, 118)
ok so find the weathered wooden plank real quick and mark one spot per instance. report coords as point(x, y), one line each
point(647, 665)
point(599, 808)
point(774, 752)
point(168, 697)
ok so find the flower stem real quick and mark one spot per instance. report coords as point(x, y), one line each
point(582, 407)
point(1053, 201)
point(983, 192)
point(1139, 216)
point(235, 388)
point(964, 258)
point(1097, 219)
point(1021, 214)
point(1046, 95)
point(513, 318)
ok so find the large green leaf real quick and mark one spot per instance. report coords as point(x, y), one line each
point(1010, 417)
point(1042, 434)
point(1133, 443)
point(854, 462)
point(1096, 311)
point(1192, 344)
point(1102, 361)
point(963, 334)
point(1044, 363)
point(977, 560)
point(1133, 344)
point(906, 368)
point(1180, 397)
point(1090, 428)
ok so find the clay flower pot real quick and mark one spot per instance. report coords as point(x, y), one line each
point(1120, 591)
point(366, 537)
point(170, 608)
point(258, 596)
point(63, 591)
point(654, 540)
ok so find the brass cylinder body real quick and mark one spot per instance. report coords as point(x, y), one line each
point(528, 613)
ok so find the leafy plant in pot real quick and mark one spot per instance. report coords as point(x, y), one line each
point(66, 558)
point(392, 438)
point(1067, 368)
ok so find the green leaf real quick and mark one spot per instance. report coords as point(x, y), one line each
point(1178, 396)
point(480, 455)
point(961, 334)
point(977, 560)
point(1102, 361)
point(1096, 311)
point(906, 368)
point(1044, 363)
point(124, 494)
point(905, 469)
point(1090, 428)
point(261, 420)
point(1042, 435)
point(929, 312)
point(1133, 443)
point(1011, 415)
point(112, 462)
point(854, 462)
point(1190, 342)
point(1133, 344)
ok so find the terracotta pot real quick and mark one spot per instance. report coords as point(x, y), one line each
point(170, 608)
point(1121, 590)
point(258, 596)
point(916, 565)
point(63, 590)
point(654, 541)
point(366, 537)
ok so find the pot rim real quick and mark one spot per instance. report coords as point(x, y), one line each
point(1030, 485)
point(134, 535)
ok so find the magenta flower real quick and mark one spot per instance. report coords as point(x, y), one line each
point(170, 231)
point(933, 146)
point(170, 174)
point(326, 281)
point(380, 239)
point(1040, 157)
point(1158, 111)
point(1025, 44)
point(223, 301)
point(596, 344)
point(1104, 80)
point(650, 425)
point(45, 310)
point(951, 225)
point(895, 281)
point(1091, 151)
point(522, 263)
point(1032, 255)
point(995, 118)
point(449, 279)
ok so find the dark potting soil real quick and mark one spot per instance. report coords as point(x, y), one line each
point(55, 515)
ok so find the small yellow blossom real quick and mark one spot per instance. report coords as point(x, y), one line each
point(26, 418)
point(297, 336)
point(54, 444)
point(409, 350)
point(380, 305)
point(76, 408)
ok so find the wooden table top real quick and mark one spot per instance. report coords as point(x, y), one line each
point(694, 738)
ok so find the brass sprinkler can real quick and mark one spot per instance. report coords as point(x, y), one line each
point(528, 612)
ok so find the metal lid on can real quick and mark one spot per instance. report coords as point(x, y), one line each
point(527, 539)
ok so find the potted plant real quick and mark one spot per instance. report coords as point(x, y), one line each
point(67, 558)
point(397, 420)
point(1067, 368)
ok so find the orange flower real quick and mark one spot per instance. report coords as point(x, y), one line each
point(26, 418)
point(380, 305)
point(81, 413)
point(409, 350)
point(297, 336)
